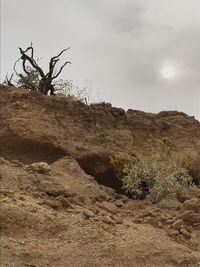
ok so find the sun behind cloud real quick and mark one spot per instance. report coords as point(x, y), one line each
point(168, 71)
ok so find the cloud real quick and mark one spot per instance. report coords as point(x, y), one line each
point(118, 45)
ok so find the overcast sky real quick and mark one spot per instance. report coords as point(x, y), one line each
point(122, 49)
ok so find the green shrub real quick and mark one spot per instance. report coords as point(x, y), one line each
point(153, 176)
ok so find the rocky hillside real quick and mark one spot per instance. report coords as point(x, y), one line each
point(41, 128)
point(70, 211)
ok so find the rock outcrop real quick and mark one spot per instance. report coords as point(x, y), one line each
point(36, 128)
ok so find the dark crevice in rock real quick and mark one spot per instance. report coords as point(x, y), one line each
point(100, 167)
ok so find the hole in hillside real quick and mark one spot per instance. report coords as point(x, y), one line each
point(29, 151)
point(100, 167)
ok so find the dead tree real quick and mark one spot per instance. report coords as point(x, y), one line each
point(29, 64)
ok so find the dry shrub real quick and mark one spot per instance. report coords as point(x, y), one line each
point(123, 159)
point(66, 89)
point(154, 176)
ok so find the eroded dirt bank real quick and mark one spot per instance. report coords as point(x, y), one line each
point(61, 215)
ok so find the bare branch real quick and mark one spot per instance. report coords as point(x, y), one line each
point(33, 63)
point(8, 81)
point(24, 67)
point(55, 76)
point(30, 48)
point(53, 62)
point(60, 53)
point(14, 67)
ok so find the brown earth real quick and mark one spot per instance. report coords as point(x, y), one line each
point(62, 213)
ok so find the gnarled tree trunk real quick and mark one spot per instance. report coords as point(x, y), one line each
point(45, 84)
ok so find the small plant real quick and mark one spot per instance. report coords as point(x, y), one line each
point(152, 176)
point(65, 88)
point(30, 81)
point(123, 159)
point(155, 178)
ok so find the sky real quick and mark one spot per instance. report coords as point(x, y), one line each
point(138, 54)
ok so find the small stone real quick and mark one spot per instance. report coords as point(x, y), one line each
point(88, 214)
point(177, 224)
point(119, 203)
point(128, 224)
point(22, 198)
point(188, 228)
point(33, 210)
point(170, 221)
point(138, 220)
point(5, 200)
point(82, 200)
point(99, 199)
point(163, 218)
point(182, 196)
point(190, 216)
point(110, 207)
point(53, 189)
point(173, 232)
point(148, 213)
point(98, 204)
point(108, 220)
point(52, 204)
point(65, 202)
point(134, 205)
point(7, 192)
point(107, 190)
point(102, 197)
point(192, 204)
point(110, 199)
point(118, 220)
point(185, 232)
point(125, 199)
point(154, 222)
point(22, 242)
point(41, 167)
